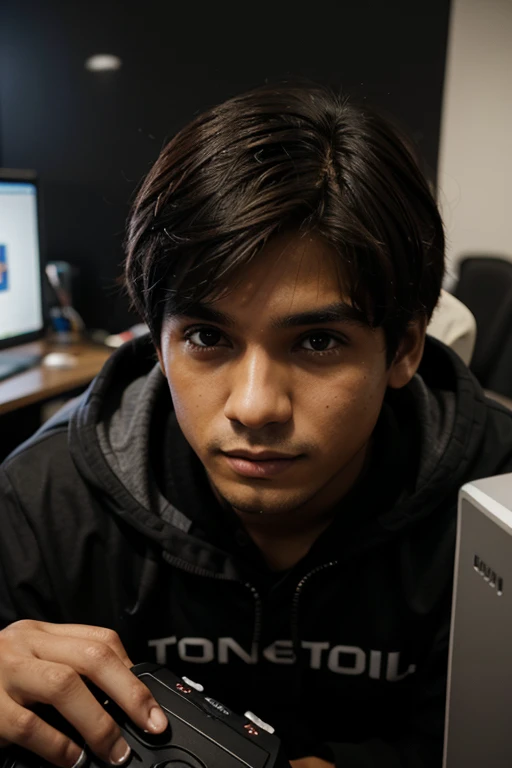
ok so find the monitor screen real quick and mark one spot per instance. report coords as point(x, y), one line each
point(21, 305)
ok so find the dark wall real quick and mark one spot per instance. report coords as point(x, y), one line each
point(93, 136)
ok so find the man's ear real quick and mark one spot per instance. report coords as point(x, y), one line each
point(409, 354)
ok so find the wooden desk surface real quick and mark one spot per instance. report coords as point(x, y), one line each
point(40, 383)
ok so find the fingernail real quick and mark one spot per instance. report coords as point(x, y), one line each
point(157, 720)
point(81, 760)
point(120, 752)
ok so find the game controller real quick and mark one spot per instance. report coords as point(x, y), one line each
point(202, 732)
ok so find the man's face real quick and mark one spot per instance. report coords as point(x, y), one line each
point(262, 379)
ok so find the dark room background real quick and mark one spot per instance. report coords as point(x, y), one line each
point(92, 136)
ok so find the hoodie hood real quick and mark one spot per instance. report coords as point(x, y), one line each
point(128, 408)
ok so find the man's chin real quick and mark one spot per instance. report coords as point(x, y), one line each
point(267, 504)
point(256, 498)
point(249, 509)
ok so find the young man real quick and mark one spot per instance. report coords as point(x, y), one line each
point(267, 504)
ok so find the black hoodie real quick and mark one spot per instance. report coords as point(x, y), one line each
point(106, 518)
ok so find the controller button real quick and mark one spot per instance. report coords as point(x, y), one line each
point(190, 682)
point(256, 720)
point(217, 706)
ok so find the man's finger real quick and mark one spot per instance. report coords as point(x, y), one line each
point(103, 667)
point(86, 632)
point(23, 727)
point(61, 686)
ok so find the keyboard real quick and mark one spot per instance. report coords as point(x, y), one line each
point(10, 365)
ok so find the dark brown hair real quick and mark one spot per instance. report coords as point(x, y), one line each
point(285, 158)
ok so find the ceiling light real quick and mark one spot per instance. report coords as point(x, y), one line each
point(103, 62)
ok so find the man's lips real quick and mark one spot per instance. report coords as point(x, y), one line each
point(259, 455)
point(261, 464)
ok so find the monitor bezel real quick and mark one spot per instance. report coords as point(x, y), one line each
point(30, 176)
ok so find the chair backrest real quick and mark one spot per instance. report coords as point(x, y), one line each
point(485, 287)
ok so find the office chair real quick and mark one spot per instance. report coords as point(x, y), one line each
point(485, 287)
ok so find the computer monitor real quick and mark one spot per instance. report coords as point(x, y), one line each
point(22, 316)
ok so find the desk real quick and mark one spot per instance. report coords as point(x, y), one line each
point(39, 383)
point(22, 395)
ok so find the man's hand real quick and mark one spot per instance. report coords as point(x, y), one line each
point(44, 663)
point(310, 762)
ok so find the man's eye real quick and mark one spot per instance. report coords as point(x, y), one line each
point(204, 337)
point(320, 341)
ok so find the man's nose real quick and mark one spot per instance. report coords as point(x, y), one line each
point(259, 391)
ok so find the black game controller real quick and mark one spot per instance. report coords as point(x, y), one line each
point(202, 733)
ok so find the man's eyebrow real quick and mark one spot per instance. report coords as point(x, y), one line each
point(199, 310)
point(338, 312)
